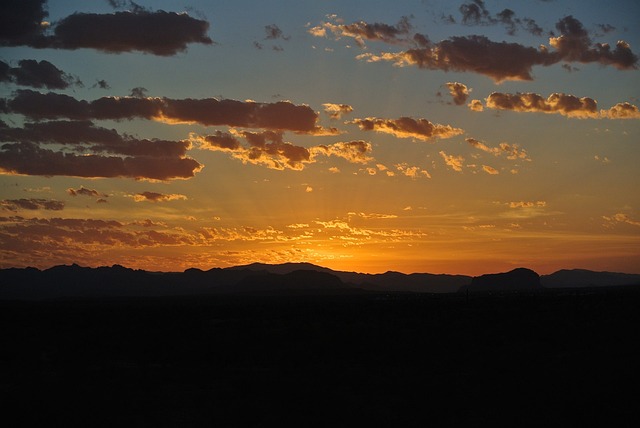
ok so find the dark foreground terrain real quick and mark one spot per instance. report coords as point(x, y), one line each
point(561, 358)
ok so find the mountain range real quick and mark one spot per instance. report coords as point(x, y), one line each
point(73, 281)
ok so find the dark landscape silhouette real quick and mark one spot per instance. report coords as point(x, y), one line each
point(298, 344)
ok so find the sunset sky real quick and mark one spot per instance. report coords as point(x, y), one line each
point(418, 136)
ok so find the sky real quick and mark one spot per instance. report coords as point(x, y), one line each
point(462, 137)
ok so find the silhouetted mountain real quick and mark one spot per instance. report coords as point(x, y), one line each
point(520, 279)
point(586, 278)
point(73, 281)
point(383, 282)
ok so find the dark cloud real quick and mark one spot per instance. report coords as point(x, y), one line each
point(91, 151)
point(85, 136)
point(575, 45)
point(102, 84)
point(139, 92)
point(273, 32)
point(459, 92)
point(36, 74)
point(353, 151)
point(406, 127)
point(31, 204)
point(21, 22)
point(30, 159)
point(476, 13)
point(83, 191)
point(160, 33)
point(157, 197)
point(512, 61)
point(281, 115)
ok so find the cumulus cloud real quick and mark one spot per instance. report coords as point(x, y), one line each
point(475, 105)
point(83, 191)
point(37, 74)
point(621, 111)
point(406, 127)
point(556, 103)
point(336, 111)
point(510, 61)
point(476, 13)
point(459, 92)
point(31, 204)
point(269, 149)
point(352, 151)
point(156, 32)
point(157, 197)
point(281, 115)
point(361, 31)
point(273, 32)
point(412, 171)
point(512, 151)
point(452, 161)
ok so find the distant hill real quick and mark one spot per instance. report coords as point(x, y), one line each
point(520, 279)
point(585, 278)
point(73, 281)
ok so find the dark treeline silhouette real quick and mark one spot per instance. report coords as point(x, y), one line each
point(290, 278)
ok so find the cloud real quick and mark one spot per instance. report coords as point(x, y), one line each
point(406, 127)
point(269, 149)
point(475, 105)
point(281, 115)
point(273, 32)
point(361, 31)
point(621, 111)
point(159, 33)
point(527, 204)
point(372, 216)
point(83, 191)
point(475, 13)
point(490, 170)
point(139, 92)
point(30, 159)
point(556, 103)
point(264, 148)
point(512, 151)
point(31, 204)
point(621, 218)
point(411, 171)
point(37, 74)
point(91, 151)
point(157, 197)
point(455, 162)
point(509, 61)
point(352, 151)
point(459, 92)
point(574, 45)
point(336, 111)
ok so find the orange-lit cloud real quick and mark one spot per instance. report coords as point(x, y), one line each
point(406, 127)
point(475, 105)
point(157, 197)
point(527, 204)
point(459, 92)
point(490, 170)
point(512, 151)
point(412, 171)
point(361, 31)
point(621, 218)
point(452, 161)
point(556, 103)
point(352, 151)
point(336, 111)
point(83, 191)
point(621, 111)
